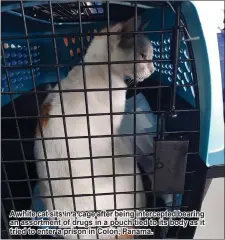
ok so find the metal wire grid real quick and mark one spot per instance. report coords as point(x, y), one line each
point(64, 12)
point(68, 12)
point(161, 115)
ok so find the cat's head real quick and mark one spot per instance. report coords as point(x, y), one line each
point(122, 49)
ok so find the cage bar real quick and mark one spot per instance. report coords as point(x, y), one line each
point(80, 14)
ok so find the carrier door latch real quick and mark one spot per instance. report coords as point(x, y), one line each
point(171, 159)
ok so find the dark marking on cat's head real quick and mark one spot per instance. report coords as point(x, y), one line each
point(127, 40)
point(126, 43)
point(44, 111)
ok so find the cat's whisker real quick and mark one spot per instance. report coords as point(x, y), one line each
point(129, 82)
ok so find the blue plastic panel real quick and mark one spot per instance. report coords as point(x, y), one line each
point(42, 52)
point(207, 63)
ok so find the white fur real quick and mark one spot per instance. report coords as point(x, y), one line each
point(98, 102)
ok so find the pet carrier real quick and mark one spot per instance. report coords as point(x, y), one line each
point(175, 115)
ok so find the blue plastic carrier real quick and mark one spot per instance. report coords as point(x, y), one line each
point(198, 86)
point(205, 52)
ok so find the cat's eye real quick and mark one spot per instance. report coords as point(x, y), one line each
point(143, 56)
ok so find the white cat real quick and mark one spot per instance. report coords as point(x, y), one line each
point(97, 76)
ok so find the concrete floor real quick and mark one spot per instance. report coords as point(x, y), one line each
point(213, 206)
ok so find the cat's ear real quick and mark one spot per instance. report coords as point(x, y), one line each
point(127, 26)
point(123, 27)
point(143, 26)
